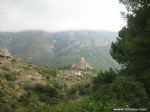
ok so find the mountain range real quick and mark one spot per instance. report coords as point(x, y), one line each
point(61, 49)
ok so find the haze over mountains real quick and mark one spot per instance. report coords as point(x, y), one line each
point(61, 49)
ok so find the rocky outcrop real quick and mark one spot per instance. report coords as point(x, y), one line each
point(4, 53)
point(81, 65)
point(58, 49)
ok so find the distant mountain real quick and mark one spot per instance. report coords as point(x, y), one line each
point(61, 48)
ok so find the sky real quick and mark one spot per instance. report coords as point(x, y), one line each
point(60, 15)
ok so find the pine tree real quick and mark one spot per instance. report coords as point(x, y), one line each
point(132, 48)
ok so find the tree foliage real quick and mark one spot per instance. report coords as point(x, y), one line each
point(132, 48)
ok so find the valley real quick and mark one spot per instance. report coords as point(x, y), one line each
point(61, 49)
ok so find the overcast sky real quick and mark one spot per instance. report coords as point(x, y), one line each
point(58, 15)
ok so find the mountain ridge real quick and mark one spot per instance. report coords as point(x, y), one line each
point(61, 48)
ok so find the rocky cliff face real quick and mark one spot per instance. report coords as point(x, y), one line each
point(4, 53)
point(60, 49)
point(81, 65)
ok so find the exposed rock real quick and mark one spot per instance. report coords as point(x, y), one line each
point(4, 53)
point(81, 65)
point(58, 49)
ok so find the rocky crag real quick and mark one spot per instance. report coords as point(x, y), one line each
point(81, 64)
point(4, 53)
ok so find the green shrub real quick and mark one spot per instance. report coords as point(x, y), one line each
point(102, 93)
point(8, 76)
point(131, 91)
point(122, 91)
point(72, 90)
point(34, 108)
point(82, 105)
point(41, 93)
point(48, 71)
point(29, 97)
point(104, 78)
point(8, 102)
point(81, 89)
point(46, 89)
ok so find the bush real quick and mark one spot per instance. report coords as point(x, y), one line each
point(46, 89)
point(8, 103)
point(34, 108)
point(29, 97)
point(48, 71)
point(84, 104)
point(8, 76)
point(131, 91)
point(104, 78)
point(81, 89)
point(73, 90)
point(122, 91)
point(40, 93)
point(102, 93)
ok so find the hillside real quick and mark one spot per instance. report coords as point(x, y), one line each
point(16, 70)
point(68, 71)
point(61, 49)
point(23, 83)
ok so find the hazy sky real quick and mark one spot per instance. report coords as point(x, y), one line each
point(56, 15)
